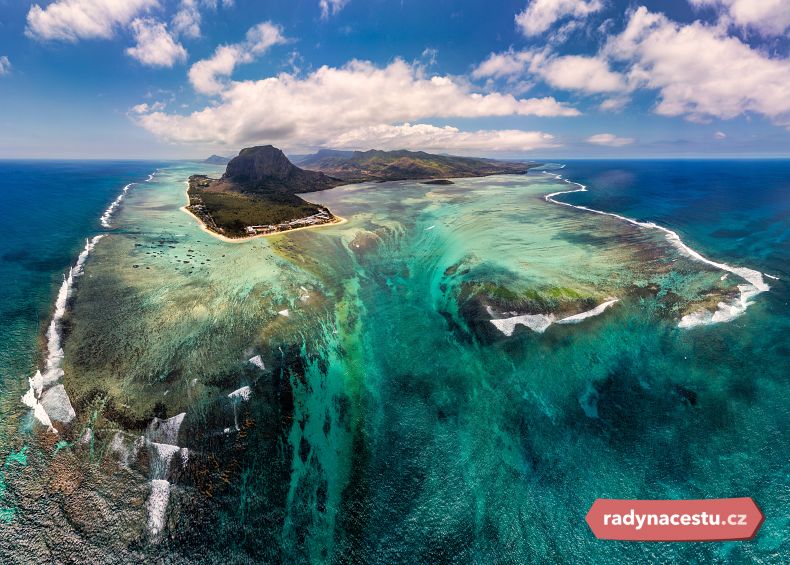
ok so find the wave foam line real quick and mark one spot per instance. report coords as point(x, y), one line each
point(576, 318)
point(35, 397)
point(540, 322)
point(725, 311)
point(107, 216)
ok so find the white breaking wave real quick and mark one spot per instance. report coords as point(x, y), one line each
point(242, 393)
point(107, 216)
point(576, 318)
point(725, 311)
point(258, 362)
point(540, 322)
point(535, 322)
point(165, 431)
point(157, 506)
point(161, 456)
point(40, 382)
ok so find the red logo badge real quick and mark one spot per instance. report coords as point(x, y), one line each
point(721, 519)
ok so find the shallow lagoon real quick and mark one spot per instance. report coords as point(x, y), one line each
point(392, 421)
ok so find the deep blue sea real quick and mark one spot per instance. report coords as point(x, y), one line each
point(736, 211)
point(49, 209)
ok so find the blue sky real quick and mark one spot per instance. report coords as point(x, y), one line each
point(533, 79)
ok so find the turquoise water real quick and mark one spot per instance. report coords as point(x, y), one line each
point(387, 418)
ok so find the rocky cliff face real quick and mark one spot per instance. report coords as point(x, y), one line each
point(267, 168)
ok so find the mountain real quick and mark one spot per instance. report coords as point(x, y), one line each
point(322, 153)
point(259, 188)
point(217, 160)
point(265, 169)
point(376, 165)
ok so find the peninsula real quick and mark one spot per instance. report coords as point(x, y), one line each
point(259, 192)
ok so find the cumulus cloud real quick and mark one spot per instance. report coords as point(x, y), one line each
point(155, 47)
point(769, 17)
point(700, 71)
point(5, 65)
point(507, 64)
point(186, 20)
point(568, 72)
point(540, 15)
point(206, 75)
point(317, 109)
point(609, 140)
point(70, 20)
point(720, 135)
point(331, 7)
point(447, 138)
point(576, 72)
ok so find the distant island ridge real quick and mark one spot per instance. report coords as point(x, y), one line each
point(258, 195)
point(217, 160)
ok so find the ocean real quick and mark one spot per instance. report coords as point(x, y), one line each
point(452, 376)
point(51, 207)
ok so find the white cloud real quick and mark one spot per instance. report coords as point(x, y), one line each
point(5, 65)
point(699, 71)
point(205, 75)
point(614, 104)
point(720, 135)
point(429, 55)
point(540, 15)
point(155, 47)
point(144, 107)
point(331, 7)
point(569, 72)
point(769, 17)
point(507, 64)
point(575, 72)
point(70, 20)
point(447, 138)
point(609, 140)
point(186, 20)
point(318, 108)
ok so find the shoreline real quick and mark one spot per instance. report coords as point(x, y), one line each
point(725, 311)
point(226, 239)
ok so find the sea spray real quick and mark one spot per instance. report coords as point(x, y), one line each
point(53, 372)
point(157, 506)
point(113, 207)
point(161, 438)
point(165, 431)
point(161, 457)
point(105, 218)
point(239, 395)
point(540, 322)
point(725, 312)
point(576, 318)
